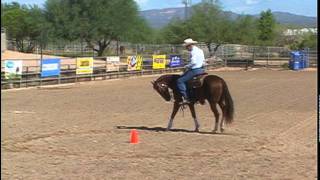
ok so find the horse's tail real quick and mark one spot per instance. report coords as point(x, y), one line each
point(229, 104)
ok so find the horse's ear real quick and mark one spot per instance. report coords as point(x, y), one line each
point(152, 82)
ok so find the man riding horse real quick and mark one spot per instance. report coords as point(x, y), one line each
point(203, 87)
point(195, 67)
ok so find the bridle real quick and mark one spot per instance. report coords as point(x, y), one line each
point(160, 87)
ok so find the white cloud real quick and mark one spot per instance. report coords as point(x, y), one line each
point(251, 2)
point(240, 9)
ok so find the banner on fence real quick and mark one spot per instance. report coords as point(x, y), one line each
point(175, 61)
point(113, 63)
point(134, 63)
point(159, 61)
point(50, 67)
point(84, 66)
point(12, 69)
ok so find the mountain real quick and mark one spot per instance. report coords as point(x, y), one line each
point(293, 19)
point(158, 18)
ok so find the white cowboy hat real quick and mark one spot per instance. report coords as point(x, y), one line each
point(189, 41)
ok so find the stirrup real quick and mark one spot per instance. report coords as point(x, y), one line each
point(184, 102)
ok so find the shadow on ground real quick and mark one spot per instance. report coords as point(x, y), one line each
point(162, 129)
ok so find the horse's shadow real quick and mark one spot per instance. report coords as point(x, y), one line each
point(162, 129)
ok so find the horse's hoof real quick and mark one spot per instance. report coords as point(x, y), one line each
point(168, 129)
point(214, 132)
point(221, 130)
point(196, 130)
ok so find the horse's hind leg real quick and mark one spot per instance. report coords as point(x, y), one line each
point(193, 113)
point(173, 114)
point(223, 108)
point(216, 115)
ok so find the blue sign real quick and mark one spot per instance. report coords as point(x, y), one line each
point(50, 67)
point(10, 64)
point(175, 61)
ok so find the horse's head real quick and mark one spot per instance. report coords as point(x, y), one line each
point(162, 88)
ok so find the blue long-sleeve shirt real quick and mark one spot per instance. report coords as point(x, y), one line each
point(196, 58)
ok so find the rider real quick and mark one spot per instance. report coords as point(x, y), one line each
point(194, 68)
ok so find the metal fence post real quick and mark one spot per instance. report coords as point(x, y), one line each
point(59, 79)
point(27, 76)
point(136, 49)
point(268, 57)
point(253, 56)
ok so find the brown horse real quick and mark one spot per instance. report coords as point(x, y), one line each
point(213, 89)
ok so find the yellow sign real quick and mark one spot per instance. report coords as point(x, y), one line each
point(159, 61)
point(84, 66)
point(134, 63)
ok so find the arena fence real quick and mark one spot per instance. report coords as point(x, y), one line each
point(225, 56)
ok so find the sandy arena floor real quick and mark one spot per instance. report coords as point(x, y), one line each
point(81, 131)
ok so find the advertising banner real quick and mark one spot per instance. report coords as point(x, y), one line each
point(175, 61)
point(84, 66)
point(134, 63)
point(12, 69)
point(50, 67)
point(113, 63)
point(159, 61)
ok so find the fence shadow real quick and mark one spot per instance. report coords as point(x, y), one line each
point(162, 129)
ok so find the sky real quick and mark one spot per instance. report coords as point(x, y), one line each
point(300, 7)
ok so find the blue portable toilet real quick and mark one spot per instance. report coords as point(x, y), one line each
point(296, 62)
point(305, 58)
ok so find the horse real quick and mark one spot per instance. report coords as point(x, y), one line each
point(213, 89)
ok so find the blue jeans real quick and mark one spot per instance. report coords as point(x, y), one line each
point(182, 81)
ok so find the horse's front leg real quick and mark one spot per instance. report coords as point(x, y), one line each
point(193, 113)
point(175, 109)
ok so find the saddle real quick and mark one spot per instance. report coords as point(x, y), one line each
point(196, 81)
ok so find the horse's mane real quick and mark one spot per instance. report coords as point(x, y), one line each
point(167, 77)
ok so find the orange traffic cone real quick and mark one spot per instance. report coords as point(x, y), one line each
point(134, 136)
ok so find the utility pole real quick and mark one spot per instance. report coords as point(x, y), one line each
point(187, 5)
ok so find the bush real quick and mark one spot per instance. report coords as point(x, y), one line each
point(285, 66)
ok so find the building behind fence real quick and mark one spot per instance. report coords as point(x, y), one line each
point(3, 40)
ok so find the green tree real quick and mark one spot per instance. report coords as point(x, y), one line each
point(209, 24)
point(245, 30)
point(98, 22)
point(308, 40)
point(175, 32)
point(266, 26)
point(23, 24)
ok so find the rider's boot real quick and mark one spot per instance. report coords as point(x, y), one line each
point(185, 100)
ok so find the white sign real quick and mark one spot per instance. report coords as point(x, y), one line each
point(113, 63)
point(113, 59)
point(13, 69)
point(50, 67)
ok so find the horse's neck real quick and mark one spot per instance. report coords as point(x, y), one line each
point(172, 81)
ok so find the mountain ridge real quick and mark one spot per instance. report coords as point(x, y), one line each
point(158, 18)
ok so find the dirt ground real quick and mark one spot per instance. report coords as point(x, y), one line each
point(81, 131)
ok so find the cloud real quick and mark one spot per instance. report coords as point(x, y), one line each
point(251, 2)
point(240, 9)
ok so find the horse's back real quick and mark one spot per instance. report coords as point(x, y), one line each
point(213, 79)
